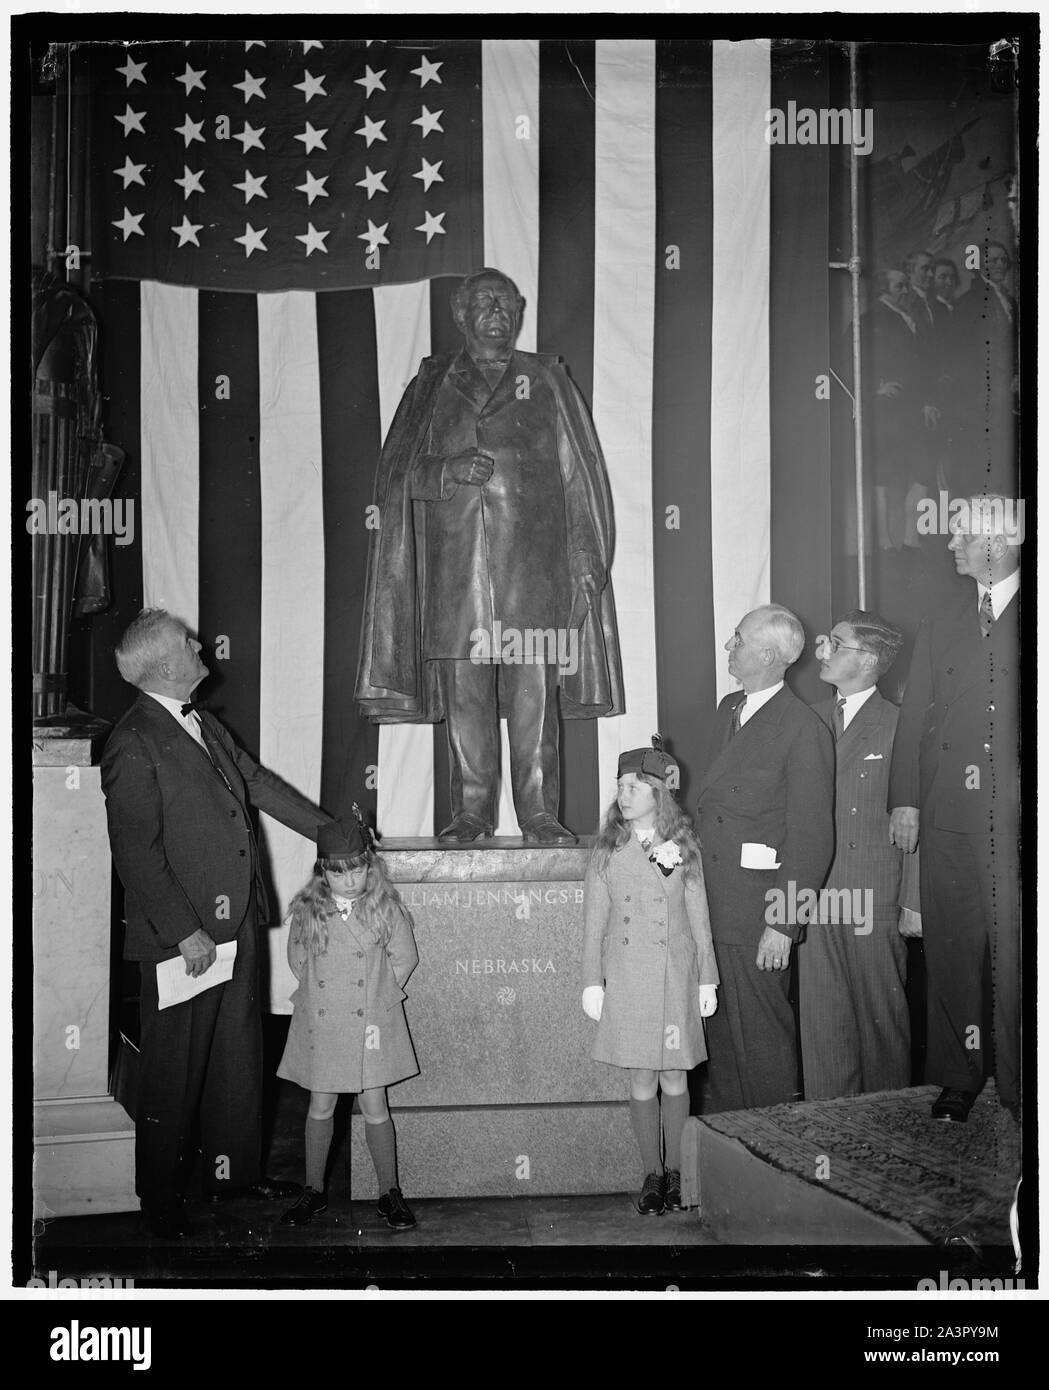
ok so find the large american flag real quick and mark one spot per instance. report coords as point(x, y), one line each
point(254, 358)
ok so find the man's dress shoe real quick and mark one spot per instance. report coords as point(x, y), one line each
point(465, 828)
point(545, 829)
point(265, 1190)
point(166, 1220)
point(953, 1104)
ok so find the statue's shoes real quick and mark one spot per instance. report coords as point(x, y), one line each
point(465, 828)
point(545, 829)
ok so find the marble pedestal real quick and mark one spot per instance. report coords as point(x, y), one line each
point(84, 1141)
point(508, 1101)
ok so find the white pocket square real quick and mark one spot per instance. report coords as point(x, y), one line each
point(757, 856)
point(872, 757)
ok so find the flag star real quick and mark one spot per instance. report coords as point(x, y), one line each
point(371, 130)
point(430, 173)
point(313, 139)
point(252, 186)
point(188, 231)
point(250, 138)
point(129, 223)
point(131, 120)
point(190, 182)
point(313, 240)
point(190, 131)
point(252, 239)
point(251, 87)
point(432, 226)
point(307, 44)
point(253, 43)
point(313, 188)
point(375, 236)
point(191, 78)
point(311, 86)
point(133, 71)
point(427, 72)
point(372, 182)
point(371, 81)
point(131, 173)
point(429, 120)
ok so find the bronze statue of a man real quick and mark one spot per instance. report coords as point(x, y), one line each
point(488, 587)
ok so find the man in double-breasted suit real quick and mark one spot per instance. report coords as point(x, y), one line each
point(852, 966)
point(766, 825)
point(954, 784)
point(488, 589)
point(177, 789)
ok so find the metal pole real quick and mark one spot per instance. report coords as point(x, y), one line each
point(857, 351)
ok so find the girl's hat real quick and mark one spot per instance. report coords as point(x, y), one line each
point(336, 840)
point(653, 762)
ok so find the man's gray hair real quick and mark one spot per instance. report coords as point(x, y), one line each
point(144, 644)
point(783, 630)
point(461, 293)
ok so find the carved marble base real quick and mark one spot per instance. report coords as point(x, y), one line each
point(84, 1160)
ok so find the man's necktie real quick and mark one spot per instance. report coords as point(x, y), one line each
point(986, 615)
point(737, 715)
point(839, 716)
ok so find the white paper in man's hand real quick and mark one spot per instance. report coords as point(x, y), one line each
point(174, 986)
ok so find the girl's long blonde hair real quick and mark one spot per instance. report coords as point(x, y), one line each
point(671, 823)
point(378, 908)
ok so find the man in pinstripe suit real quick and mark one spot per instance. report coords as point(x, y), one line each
point(855, 1029)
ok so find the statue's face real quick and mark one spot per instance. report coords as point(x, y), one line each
point(997, 264)
point(489, 320)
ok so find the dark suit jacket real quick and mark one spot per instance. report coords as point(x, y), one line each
point(957, 742)
point(773, 783)
point(863, 856)
point(182, 841)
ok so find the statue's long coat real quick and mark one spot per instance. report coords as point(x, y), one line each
point(449, 559)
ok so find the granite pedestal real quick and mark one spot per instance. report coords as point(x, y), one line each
point(84, 1140)
point(508, 1100)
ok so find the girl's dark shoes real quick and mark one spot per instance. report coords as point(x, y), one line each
point(396, 1210)
point(309, 1205)
point(672, 1190)
point(651, 1202)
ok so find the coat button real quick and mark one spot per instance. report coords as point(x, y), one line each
point(360, 1013)
point(735, 789)
point(233, 813)
point(320, 1013)
point(853, 811)
point(626, 940)
point(950, 670)
point(626, 920)
point(990, 708)
point(719, 820)
point(852, 844)
point(862, 775)
point(360, 955)
point(945, 746)
point(360, 984)
point(320, 984)
point(242, 852)
point(628, 897)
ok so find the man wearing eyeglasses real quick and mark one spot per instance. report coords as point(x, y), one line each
point(852, 966)
point(955, 781)
point(765, 821)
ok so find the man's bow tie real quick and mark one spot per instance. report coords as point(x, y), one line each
point(186, 709)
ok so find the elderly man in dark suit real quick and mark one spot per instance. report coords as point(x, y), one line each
point(955, 783)
point(852, 966)
point(494, 549)
point(766, 824)
point(177, 789)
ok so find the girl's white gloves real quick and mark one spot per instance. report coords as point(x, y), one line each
point(708, 1000)
point(593, 1001)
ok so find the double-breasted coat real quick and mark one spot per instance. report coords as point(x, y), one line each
point(348, 1032)
point(646, 938)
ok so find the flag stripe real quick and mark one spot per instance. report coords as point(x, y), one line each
point(799, 352)
point(684, 601)
point(291, 678)
point(510, 106)
point(168, 394)
point(624, 290)
point(566, 309)
point(351, 435)
point(739, 408)
point(402, 336)
point(230, 508)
